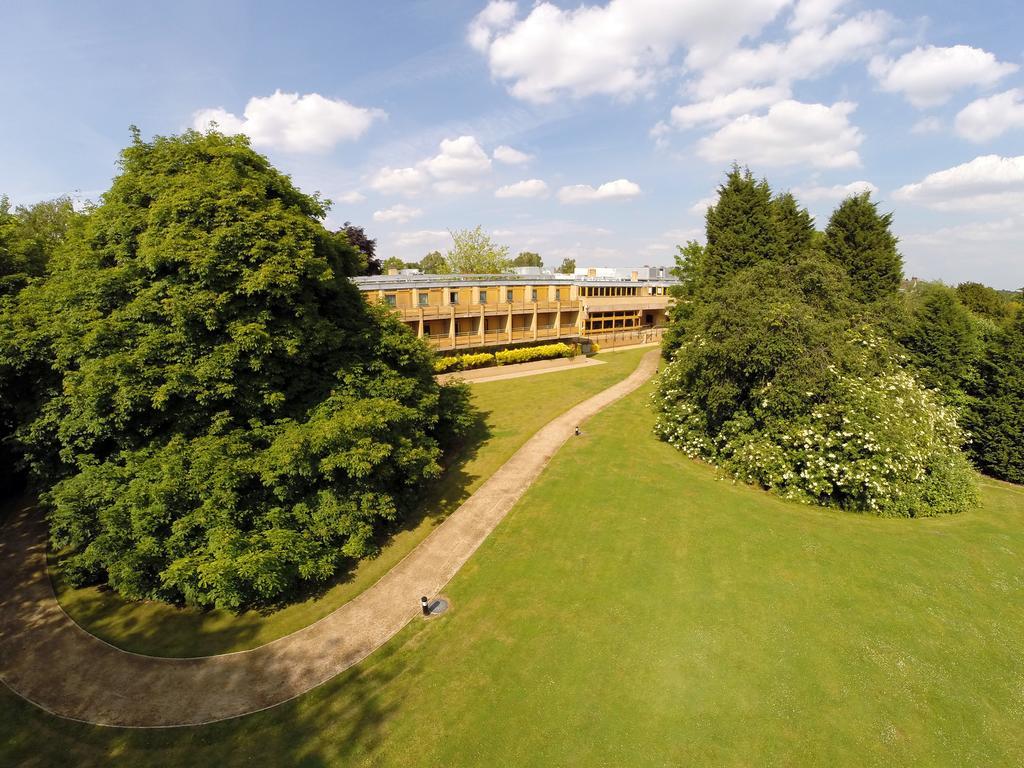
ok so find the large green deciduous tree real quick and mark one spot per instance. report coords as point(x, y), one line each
point(474, 253)
point(528, 259)
point(230, 418)
point(433, 264)
point(689, 271)
point(366, 245)
point(392, 262)
point(986, 302)
point(567, 267)
point(859, 238)
point(29, 236)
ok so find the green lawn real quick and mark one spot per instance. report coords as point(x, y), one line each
point(512, 410)
point(633, 610)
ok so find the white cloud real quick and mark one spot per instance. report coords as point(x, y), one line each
point(293, 123)
point(527, 188)
point(610, 190)
point(926, 125)
point(618, 49)
point(728, 105)
point(497, 16)
point(509, 156)
point(456, 187)
point(985, 251)
point(929, 76)
point(985, 183)
point(1008, 229)
point(355, 196)
point(792, 133)
point(835, 192)
point(458, 157)
point(397, 213)
point(701, 206)
point(810, 53)
point(993, 116)
point(456, 169)
point(683, 235)
point(814, 13)
point(659, 132)
point(424, 237)
point(402, 181)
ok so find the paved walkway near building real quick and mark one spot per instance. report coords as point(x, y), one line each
point(518, 370)
point(49, 660)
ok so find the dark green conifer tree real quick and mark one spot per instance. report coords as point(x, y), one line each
point(858, 238)
point(943, 344)
point(794, 227)
point(997, 421)
point(740, 228)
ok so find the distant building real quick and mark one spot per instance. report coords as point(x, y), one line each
point(611, 306)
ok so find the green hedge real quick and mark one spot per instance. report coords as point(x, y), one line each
point(504, 357)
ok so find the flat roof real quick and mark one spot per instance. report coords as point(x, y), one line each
point(392, 282)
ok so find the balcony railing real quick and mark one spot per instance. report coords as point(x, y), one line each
point(495, 337)
point(433, 311)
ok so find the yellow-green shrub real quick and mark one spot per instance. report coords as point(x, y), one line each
point(527, 354)
point(463, 362)
point(446, 364)
point(479, 360)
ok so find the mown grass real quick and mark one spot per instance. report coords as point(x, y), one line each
point(510, 412)
point(634, 609)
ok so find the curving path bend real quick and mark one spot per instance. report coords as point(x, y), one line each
point(46, 658)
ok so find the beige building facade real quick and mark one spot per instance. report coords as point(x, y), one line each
point(456, 312)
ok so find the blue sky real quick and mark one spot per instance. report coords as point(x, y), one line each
point(593, 131)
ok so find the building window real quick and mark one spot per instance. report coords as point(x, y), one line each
point(391, 300)
point(533, 294)
point(424, 299)
point(453, 297)
point(558, 294)
point(508, 296)
point(483, 297)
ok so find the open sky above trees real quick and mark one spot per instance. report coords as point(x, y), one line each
point(416, 117)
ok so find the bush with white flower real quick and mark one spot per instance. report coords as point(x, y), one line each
point(781, 390)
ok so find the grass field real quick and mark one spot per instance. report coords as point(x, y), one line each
point(511, 412)
point(634, 610)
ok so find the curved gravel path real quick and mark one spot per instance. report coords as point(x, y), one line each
point(52, 662)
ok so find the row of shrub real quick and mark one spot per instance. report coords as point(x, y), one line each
point(468, 362)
